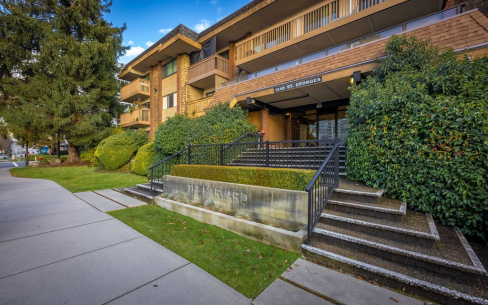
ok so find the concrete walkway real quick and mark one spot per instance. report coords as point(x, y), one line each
point(57, 249)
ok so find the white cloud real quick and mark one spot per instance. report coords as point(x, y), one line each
point(130, 43)
point(149, 43)
point(134, 51)
point(165, 31)
point(214, 2)
point(219, 10)
point(202, 25)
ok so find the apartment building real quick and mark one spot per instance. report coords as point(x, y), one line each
point(289, 62)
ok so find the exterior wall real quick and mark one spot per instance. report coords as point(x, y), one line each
point(219, 80)
point(255, 118)
point(155, 106)
point(275, 128)
point(169, 85)
point(196, 108)
point(458, 32)
point(183, 64)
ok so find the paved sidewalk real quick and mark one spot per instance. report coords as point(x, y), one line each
point(57, 249)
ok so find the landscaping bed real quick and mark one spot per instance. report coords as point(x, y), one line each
point(79, 178)
point(246, 265)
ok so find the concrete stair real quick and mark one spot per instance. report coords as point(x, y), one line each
point(364, 233)
point(144, 190)
point(291, 157)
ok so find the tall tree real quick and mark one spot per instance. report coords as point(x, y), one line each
point(64, 79)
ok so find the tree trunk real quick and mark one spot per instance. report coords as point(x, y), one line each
point(73, 154)
point(26, 153)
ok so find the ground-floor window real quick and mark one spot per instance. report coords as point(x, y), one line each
point(327, 123)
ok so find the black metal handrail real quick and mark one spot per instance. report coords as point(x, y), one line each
point(321, 187)
point(247, 135)
point(164, 167)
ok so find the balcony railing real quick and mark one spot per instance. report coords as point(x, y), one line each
point(139, 88)
point(137, 118)
point(209, 66)
point(396, 30)
point(312, 19)
point(197, 108)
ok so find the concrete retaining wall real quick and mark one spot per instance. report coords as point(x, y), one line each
point(280, 208)
point(281, 238)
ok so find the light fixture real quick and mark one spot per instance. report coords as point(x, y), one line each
point(319, 105)
point(356, 77)
point(155, 90)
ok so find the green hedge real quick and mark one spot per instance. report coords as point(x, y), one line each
point(419, 129)
point(89, 156)
point(117, 150)
point(144, 159)
point(290, 179)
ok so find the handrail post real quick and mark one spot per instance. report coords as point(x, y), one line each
point(336, 163)
point(309, 223)
point(189, 154)
point(267, 153)
point(221, 154)
point(152, 179)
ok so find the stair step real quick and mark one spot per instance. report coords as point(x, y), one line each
point(418, 225)
point(260, 164)
point(356, 191)
point(157, 182)
point(452, 256)
point(433, 285)
point(384, 208)
point(142, 192)
point(147, 186)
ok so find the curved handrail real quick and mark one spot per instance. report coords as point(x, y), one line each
point(178, 153)
point(321, 168)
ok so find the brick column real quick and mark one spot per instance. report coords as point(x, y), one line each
point(160, 97)
point(282, 126)
point(178, 83)
point(264, 123)
point(151, 105)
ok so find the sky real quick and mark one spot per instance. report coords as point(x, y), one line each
point(148, 21)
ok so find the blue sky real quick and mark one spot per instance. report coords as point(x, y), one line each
point(148, 21)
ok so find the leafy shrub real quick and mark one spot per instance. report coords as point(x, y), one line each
point(283, 178)
point(419, 129)
point(89, 157)
point(220, 124)
point(144, 159)
point(117, 150)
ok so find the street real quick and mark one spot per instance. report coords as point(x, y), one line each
point(9, 164)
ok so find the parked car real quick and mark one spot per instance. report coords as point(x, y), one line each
point(3, 157)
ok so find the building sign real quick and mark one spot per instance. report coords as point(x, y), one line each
point(214, 192)
point(302, 83)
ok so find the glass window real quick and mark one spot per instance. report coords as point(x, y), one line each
point(169, 101)
point(430, 19)
point(225, 54)
point(313, 57)
point(288, 65)
point(383, 34)
point(169, 68)
point(209, 94)
point(336, 49)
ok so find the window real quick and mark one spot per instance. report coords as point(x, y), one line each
point(225, 54)
point(169, 101)
point(209, 94)
point(169, 68)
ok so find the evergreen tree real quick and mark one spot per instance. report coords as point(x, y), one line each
point(58, 67)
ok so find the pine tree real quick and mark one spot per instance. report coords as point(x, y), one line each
point(58, 67)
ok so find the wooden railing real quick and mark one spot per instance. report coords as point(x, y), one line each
point(137, 86)
point(197, 108)
point(312, 19)
point(211, 65)
point(138, 116)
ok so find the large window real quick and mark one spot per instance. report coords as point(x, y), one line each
point(169, 68)
point(169, 101)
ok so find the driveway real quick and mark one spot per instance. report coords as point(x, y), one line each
point(57, 249)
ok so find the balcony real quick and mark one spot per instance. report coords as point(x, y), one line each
point(197, 108)
point(202, 74)
point(136, 90)
point(139, 118)
point(326, 25)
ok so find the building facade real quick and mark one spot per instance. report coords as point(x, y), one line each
point(289, 63)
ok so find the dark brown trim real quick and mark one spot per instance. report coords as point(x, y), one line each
point(160, 96)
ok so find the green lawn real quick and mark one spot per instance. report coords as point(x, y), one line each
point(79, 178)
point(243, 264)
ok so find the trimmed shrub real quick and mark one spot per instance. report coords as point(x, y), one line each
point(144, 159)
point(89, 156)
point(283, 178)
point(419, 129)
point(117, 150)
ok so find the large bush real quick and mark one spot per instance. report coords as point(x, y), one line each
point(117, 150)
point(89, 156)
point(220, 124)
point(144, 159)
point(419, 129)
point(283, 178)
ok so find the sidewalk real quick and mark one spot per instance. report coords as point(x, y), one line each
point(57, 249)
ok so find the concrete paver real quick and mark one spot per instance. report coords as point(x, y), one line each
point(40, 250)
point(283, 293)
point(199, 288)
point(120, 198)
point(35, 211)
point(99, 202)
point(342, 287)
